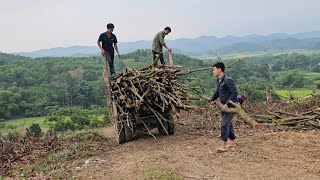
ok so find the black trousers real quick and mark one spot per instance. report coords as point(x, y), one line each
point(155, 59)
point(110, 59)
point(226, 126)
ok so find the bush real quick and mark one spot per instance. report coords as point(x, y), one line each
point(62, 126)
point(54, 118)
point(80, 120)
point(106, 119)
point(34, 130)
point(2, 125)
point(11, 126)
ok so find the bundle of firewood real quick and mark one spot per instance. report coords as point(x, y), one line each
point(149, 91)
point(303, 120)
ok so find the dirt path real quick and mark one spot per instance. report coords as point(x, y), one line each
point(260, 155)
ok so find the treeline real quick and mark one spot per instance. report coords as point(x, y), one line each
point(33, 87)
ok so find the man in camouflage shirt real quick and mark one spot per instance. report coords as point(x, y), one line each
point(157, 44)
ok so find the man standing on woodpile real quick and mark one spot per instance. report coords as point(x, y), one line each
point(109, 43)
point(226, 90)
point(158, 42)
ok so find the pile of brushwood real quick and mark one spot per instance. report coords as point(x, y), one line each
point(298, 113)
point(17, 149)
point(150, 91)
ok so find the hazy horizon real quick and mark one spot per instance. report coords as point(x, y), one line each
point(46, 24)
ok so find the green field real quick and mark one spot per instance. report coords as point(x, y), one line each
point(20, 125)
point(261, 53)
point(296, 92)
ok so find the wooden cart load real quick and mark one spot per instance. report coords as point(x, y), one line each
point(145, 99)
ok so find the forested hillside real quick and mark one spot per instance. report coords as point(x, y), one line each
point(31, 87)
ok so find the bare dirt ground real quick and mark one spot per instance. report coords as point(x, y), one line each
point(191, 154)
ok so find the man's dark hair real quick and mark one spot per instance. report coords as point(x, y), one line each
point(219, 65)
point(110, 25)
point(168, 29)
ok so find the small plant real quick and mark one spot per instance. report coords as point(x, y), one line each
point(106, 119)
point(2, 125)
point(11, 126)
point(34, 130)
point(54, 118)
point(161, 173)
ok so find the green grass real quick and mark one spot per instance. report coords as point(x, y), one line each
point(161, 173)
point(296, 92)
point(315, 76)
point(20, 125)
point(259, 53)
point(55, 163)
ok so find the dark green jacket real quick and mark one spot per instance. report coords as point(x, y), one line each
point(158, 42)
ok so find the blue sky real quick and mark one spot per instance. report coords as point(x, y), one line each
point(28, 25)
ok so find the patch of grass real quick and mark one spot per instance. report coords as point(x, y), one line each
point(20, 125)
point(55, 164)
point(260, 53)
point(314, 76)
point(81, 134)
point(296, 92)
point(161, 173)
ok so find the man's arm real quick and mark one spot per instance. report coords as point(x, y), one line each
point(115, 42)
point(163, 43)
point(117, 49)
point(215, 96)
point(233, 90)
point(99, 44)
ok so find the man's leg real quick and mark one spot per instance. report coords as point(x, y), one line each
point(225, 130)
point(161, 59)
point(110, 58)
point(155, 58)
point(232, 136)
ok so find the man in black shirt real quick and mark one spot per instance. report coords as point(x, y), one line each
point(109, 43)
point(226, 91)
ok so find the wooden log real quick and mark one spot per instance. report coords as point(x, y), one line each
point(111, 105)
point(237, 110)
point(170, 59)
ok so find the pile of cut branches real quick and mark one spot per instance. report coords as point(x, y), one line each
point(150, 91)
point(15, 148)
point(304, 114)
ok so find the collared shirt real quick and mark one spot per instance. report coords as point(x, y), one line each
point(108, 42)
point(158, 42)
point(226, 90)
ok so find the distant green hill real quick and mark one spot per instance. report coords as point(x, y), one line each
point(10, 58)
point(203, 45)
point(35, 87)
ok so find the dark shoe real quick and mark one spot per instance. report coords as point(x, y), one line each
point(112, 76)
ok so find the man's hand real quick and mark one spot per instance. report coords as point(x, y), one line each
point(119, 56)
point(225, 106)
point(169, 49)
point(102, 52)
